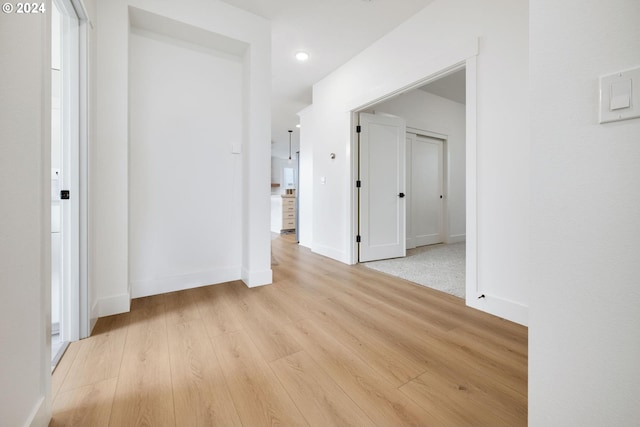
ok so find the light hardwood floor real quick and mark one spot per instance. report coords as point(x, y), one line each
point(325, 345)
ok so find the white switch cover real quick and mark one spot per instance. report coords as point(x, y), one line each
point(323, 180)
point(236, 147)
point(620, 96)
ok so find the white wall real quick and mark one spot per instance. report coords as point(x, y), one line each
point(426, 111)
point(185, 114)
point(25, 251)
point(443, 34)
point(110, 180)
point(584, 342)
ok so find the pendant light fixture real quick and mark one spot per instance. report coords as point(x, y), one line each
point(290, 132)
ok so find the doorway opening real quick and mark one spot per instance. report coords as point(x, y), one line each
point(69, 302)
point(433, 201)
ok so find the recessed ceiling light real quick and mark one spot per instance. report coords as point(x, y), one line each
point(302, 56)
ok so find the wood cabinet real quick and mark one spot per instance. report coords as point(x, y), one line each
point(288, 212)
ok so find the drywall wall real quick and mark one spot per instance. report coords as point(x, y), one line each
point(214, 22)
point(442, 35)
point(25, 251)
point(429, 112)
point(584, 343)
point(185, 114)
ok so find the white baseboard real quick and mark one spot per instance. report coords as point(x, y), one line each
point(410, 243)
point(304, 244)
point(510, 310)
point(331, 253)
point(144, 288)
point(93, 316)
point(113, 305)
point(255, 278)
point(39, 416)
point(457, 238)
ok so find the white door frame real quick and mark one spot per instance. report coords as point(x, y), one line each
point(74, 309)
point(470, 66)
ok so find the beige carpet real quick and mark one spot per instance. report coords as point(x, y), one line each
point(440, 267)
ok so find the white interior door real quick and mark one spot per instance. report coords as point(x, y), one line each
point(65, 177)
point(427, 190)
point(382, 176)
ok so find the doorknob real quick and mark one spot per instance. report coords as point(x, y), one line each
point(401, 195)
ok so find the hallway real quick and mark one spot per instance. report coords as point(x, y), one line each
point(326, 344)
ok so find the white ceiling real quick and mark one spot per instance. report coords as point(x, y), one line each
point(332, 32)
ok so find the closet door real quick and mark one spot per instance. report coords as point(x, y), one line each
point(427, 186)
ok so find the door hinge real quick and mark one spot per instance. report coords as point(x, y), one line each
point(358, 238)
point(358, 184)
point(358, 129)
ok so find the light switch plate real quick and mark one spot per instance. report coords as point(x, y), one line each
point(620, 96)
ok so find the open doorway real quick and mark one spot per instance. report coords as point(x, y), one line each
point(434, 192)
point(69, 313)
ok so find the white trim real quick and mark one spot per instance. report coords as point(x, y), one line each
point(456, 238)
point(257, 278)
point(84, 320)
point(83, 188)
point(41, 415)
point(332, 253)
point(38, 416)
point(80, 9)
point(428, 133)
point(161, 285)
point(114, 305)
point(352, 225)
point(501, 307)
point(95, 314)
point(472, 285)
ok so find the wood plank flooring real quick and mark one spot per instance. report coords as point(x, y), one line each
point(325, 345)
